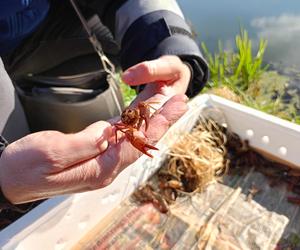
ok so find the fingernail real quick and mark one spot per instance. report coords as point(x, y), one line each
point(102, 146)
point(128, 76)
point(185, 98)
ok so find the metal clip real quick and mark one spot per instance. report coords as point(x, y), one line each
point(107, 65)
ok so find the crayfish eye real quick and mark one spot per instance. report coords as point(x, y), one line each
point(126, 113)
point(131, 112)
point(129, 116)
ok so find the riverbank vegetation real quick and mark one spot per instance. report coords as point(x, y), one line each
point(128, 93)
point(242, 76)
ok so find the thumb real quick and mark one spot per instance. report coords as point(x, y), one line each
point(97, 134)
point(164, 69)
point(84, 145)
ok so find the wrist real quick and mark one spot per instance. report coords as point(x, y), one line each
point(4, 202)
point(198, 75)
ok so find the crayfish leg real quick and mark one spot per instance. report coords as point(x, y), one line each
point(147, 118)
point(116, 135)
point(140, 123)
point(145, 114)
point(119, 127)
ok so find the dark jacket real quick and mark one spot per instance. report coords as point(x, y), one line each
point(143, 29)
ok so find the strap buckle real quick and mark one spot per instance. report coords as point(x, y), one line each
point(107, 65)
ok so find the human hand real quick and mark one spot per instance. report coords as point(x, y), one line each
point(33, 167)
point(166, 76)
point(50, 163)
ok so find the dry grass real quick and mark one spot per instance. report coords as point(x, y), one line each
point(227, 93)
point(197, 159)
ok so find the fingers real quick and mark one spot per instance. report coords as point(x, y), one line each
point(171, 111)
point(165, 69)
point(55, 163)
point(103, 169)
point(98, 133)
point(92, 174)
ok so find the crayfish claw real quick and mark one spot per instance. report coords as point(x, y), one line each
point(144, 149)
point(142, 146)
point(151, 147)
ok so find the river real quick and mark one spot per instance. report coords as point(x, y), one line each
point(278, 21)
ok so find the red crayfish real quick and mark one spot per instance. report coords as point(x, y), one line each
point(131, 122)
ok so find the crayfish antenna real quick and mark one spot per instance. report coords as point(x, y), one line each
point(152, 106)
point(116, 136)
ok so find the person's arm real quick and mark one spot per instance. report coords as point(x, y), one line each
point(8, 7)
point(149, 29)
point(4, 202)
point(49, 163)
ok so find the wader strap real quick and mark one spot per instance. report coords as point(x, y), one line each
point(107, 65)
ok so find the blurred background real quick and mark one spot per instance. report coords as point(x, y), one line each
point(253, 49)
point(278, 21)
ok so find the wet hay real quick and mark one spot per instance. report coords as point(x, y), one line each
point(207, 154)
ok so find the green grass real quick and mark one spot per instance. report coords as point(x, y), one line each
point(128, 93)
point(244, 74)
point(236, 68)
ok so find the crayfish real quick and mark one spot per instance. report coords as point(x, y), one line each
point(131, 121)
point(147, 194)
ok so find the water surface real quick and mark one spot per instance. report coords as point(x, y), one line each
point(276, 20)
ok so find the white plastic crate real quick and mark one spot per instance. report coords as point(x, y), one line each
point(60, 222)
